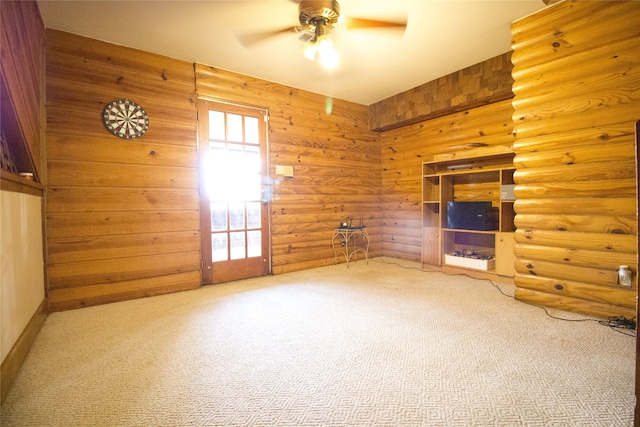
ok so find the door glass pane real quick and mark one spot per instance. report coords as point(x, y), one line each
point(219, 247)
point(215, 171)
point(216, 148)
point(234, 121)
point(251, 130)
point(252, 158)
point(236, 216)
point(253, 215)
point(216, 125)
point(218, 216)
point(254, 243)
point(247, 187)
point(237, 246)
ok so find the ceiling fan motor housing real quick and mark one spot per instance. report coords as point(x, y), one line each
point(317, 12)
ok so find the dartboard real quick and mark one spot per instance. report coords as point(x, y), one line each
point(125, 119)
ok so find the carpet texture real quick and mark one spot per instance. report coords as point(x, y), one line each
point(370, 345)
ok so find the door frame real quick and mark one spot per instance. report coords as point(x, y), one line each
point(205, 220)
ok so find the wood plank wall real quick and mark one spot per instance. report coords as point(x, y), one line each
point(123, 218)
point(336, 162)
point(22, 81)
point(122, 215)
point(480, 84)
point(473, 132)
point(577, 74)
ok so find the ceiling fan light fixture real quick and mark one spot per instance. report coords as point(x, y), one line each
point(322, 48)
point(328, 57)
point(310, 50)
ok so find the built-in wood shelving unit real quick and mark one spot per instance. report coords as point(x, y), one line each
point(479, 179)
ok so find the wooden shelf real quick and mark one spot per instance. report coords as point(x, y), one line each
point(478, 179)
point(16, 183)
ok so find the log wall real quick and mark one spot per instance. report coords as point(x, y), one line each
point(122, 215)
point(336, 162)
point(474, 132)
point(577, 74)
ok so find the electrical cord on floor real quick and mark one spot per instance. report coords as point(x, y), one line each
point(616, 323)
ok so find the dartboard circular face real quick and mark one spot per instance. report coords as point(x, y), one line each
point(125, 119)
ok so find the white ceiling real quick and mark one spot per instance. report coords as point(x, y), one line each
point(442, 36)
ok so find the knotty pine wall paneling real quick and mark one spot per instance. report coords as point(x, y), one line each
point(122, 215)
point(474, 132)
point(336, 162)
point(577, 74)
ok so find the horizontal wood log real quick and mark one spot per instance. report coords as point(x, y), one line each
point(299, 188)
point(577, 305)
point(573, 139)
point(108, 149)
point(405, 225)
point(575, 256)
point(606, 242)
point(582, 172)
point(319, 238)
point(576, 153)
point(84, 199)
point(90, 224)
point(61, 120)
point(554, 270)
point(578, 189)
point(562, 30)
point(324, 174)
point(404, 252)
point(300, 257)
point(90, 174)
point(71, 47)
point(104, 293)
point(622, 206)
point(84, 273)
point(578, 223)
point(326, 202)
point(410, 184)
point(577, 115)
point(586, 291)
point(169, 80)
point(577, 78)
point(297, 152)
point(72, 249)
point(323, 220)
point(303, 265)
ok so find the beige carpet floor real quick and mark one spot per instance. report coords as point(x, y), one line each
point(370, 345)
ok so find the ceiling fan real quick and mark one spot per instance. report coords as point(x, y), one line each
point(317, 18)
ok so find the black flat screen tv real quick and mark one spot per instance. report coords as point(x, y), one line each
point(472, 216)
